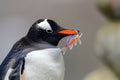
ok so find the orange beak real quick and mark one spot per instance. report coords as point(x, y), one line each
point(68, 32)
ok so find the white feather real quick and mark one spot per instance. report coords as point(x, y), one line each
point(8, 73)
point(44, 25)
point(47, 64)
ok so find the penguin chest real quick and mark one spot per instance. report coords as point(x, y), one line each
point(47, 64)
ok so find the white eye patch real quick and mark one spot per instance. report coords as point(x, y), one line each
point(44, 25)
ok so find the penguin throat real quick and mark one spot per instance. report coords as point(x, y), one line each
point(52, 41)
point(49, 40)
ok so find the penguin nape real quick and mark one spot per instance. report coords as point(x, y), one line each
point(36, 56)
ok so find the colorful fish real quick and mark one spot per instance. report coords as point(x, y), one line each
point(71, 41)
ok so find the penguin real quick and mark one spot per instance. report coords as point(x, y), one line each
point(36, 55)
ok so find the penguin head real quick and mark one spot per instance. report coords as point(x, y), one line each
point(49, 31)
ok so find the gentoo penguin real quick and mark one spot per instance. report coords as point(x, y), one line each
point(36, 56)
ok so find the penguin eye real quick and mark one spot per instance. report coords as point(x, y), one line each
point(49, 31)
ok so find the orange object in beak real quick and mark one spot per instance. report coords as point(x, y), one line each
point(68, 32)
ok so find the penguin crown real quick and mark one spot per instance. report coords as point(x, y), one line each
point(45, 24)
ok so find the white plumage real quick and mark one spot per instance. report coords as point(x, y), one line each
point(46, 64)
point(44, 25)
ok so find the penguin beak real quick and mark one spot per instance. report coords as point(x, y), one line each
point(68, 32)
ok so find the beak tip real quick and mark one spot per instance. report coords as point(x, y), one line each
point(78, 31)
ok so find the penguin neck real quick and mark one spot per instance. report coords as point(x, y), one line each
point(40, 43)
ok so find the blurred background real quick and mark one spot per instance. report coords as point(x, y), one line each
point(16, 17)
